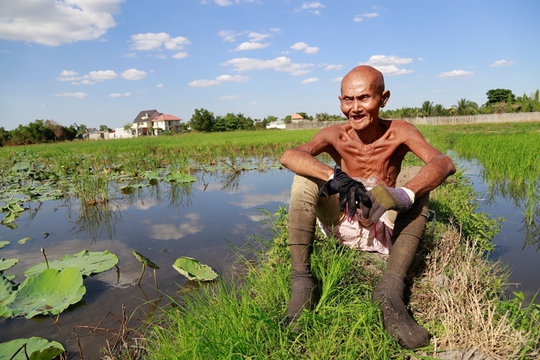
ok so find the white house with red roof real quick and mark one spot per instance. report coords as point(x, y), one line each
point(152, 122)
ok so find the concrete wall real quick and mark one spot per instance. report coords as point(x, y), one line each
point(437, 120)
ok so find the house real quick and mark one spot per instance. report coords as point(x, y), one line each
point(278, 124)
point(296, 118)
point(96, 134)
point(152, 122)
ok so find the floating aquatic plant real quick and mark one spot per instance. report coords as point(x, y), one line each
point(49, 293)
point(145, 262)
point(33, 348)
point(193, 269)
point(87, 262)
point(6, 264)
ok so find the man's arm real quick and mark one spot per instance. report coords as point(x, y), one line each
point(437, 165)
point(301, 160)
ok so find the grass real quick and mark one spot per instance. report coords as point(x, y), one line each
point(457, 294)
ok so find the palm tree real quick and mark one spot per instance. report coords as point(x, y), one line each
point(427, 108)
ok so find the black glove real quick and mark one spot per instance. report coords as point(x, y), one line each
point(352, 193)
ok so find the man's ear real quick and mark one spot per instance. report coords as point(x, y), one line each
point(384, 98)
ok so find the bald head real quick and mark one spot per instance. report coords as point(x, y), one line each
point(369, 74)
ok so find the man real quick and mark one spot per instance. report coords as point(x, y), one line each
point(369, 149)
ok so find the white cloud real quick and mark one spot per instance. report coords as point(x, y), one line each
point(100, 75)
point(219, 80)
point(257, 37)
point(455, 74)
point(360, 18)
point(159, 85)
point(78, 95)
point(190, 226)
point(389, 64)
point(228, 35)
point(388, 60)
point(133, 74)
point(157, 41)
point(302, 46)
point(180, 55)
point(117, 95)
point(281, 63)
point(56, 22)
point(502, 62)
point(312, 7)
point(251, 46)
point(310, 80)
point(333, 67)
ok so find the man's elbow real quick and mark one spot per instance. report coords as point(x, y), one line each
point(449, 165)
point(285, 158)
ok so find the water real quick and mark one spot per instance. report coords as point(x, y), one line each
point(206, 221)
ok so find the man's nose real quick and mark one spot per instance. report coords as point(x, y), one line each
point(356, 105)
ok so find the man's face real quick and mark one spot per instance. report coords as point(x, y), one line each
point(360, 100)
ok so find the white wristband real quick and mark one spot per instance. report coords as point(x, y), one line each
point(410, 193)
point(330, 177)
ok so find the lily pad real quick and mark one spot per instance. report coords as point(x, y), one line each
point(180, 178)
point(7, 263)
point(6, 290)
point(50, 292)
point(87, 262)
point(193, 269)
point(144, 260)
point(4, 243)
point(21, 166)
point(37, 349)
point(24, 240)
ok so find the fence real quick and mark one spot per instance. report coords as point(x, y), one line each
point(437, 120)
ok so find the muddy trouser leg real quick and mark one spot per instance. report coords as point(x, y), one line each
point(305, 207)
point(408, 232)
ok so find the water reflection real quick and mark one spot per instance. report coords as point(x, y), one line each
point(521, 197)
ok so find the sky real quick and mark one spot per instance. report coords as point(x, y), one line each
point(101, 62)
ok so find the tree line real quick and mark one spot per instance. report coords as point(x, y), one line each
point(498, 101)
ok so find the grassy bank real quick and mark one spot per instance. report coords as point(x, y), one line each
point(456, 294)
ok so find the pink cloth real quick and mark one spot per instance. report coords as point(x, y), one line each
point(361, 234)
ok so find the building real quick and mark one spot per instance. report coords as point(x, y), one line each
point(152, 122)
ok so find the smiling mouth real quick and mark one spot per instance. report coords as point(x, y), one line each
point(357, 117)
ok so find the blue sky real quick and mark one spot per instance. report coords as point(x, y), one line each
point(100, 62)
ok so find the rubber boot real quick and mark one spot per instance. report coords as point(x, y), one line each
point(302, 220)
point(388, 293)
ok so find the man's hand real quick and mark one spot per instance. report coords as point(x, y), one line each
point(384, 198)
point(352, 193)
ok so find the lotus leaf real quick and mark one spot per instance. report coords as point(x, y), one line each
point(21, 166)
point(4, 243)
point(13, 206)
point(7, 263)
point(37, 349)
point(88, 262)
point(50, 292)
point(193, 269)
point(180, 178)
point(24, 240)
point(144, 260)
point(6, 290)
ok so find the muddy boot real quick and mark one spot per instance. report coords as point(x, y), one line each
point(302, 218)
point(396, 318)
point(388, 293)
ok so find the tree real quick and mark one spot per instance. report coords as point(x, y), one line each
point(427, 108)
point(202, 120)
point(466, 107)
point(103, 128)
point(499, 95)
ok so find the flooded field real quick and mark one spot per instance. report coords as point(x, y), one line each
point(207, 220)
